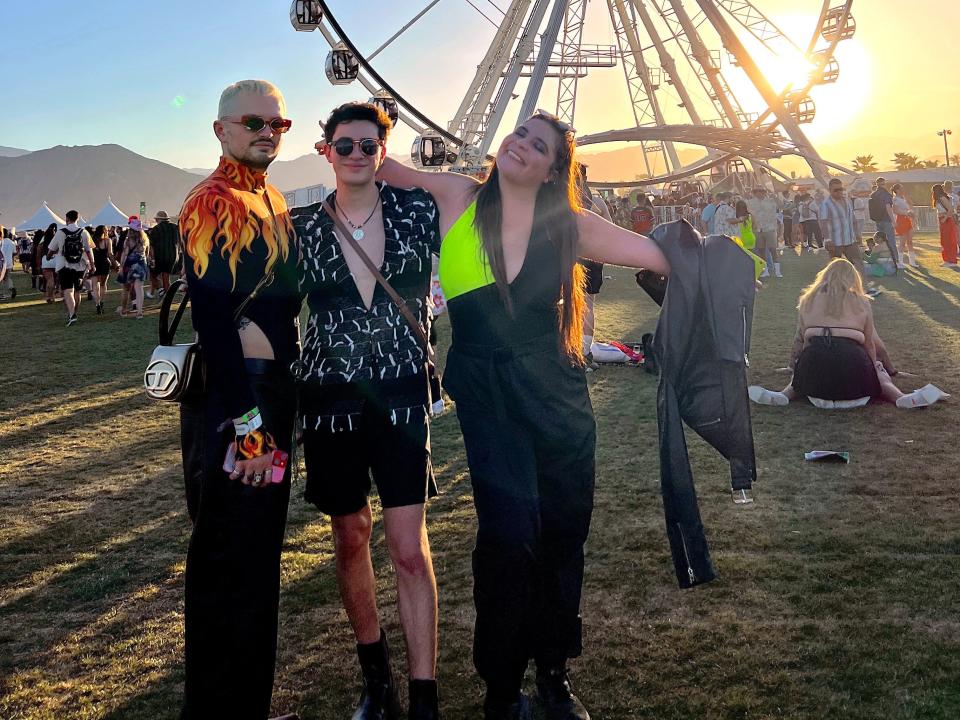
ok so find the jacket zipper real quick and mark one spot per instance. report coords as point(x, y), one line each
point(683, 541)
point(746, 360)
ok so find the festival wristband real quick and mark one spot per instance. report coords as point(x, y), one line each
point(254, 444)
point(247, 423)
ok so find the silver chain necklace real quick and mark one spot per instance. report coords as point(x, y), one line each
point(358, 233)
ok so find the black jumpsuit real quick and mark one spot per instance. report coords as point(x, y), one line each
point(530, 437)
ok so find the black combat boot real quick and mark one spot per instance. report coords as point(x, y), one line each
point(379, 699)
point(424, 700)
point(517, 708)
point(555, 695)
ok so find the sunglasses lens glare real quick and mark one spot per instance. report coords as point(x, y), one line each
point(369, 147)
point(253, 123)
point(280, 125)
point(343, 146)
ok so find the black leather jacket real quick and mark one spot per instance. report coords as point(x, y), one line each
point(701, 342)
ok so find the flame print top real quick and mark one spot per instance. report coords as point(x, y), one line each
point(230, 242)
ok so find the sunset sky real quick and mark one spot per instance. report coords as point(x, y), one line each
point(148, 75)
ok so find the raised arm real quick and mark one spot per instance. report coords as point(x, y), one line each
point(605, 242)
point(450, 190)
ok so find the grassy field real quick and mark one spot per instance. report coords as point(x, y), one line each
point(838, 593)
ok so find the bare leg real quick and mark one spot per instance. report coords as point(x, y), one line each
point(50, 285)
point(891, 393)
point(406, 530)
point(358, 586)
point(138, 293)
point(70, 302)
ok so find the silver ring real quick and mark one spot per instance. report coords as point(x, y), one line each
point(257, 478)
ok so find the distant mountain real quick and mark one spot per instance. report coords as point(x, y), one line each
point(12, 152)
point(304, 171)
point(81, 178)
point(627, 163)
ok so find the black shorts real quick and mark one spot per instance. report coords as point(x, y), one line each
point(340, 463)
point(594, 276)
point(70, 279)
point(162, 265)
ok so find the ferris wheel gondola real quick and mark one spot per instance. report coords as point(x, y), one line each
point(305, 15)
point(429, 151)
point(341, 67)
point(531, 42)
point(386, 102)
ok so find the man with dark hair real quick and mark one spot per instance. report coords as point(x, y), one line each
point(73, 251)
point(364, 398)
point(241, 264)
point(881, 212)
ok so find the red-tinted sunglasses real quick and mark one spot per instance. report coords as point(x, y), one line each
point(255, 123)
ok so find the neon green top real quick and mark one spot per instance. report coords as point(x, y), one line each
point(464, 266)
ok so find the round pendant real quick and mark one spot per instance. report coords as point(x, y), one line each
point(358, 234)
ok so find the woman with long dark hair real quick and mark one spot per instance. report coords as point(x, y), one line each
point(102, 262)
point(947, 215)
point(508, 267)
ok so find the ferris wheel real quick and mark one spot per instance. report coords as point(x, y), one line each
point(673, 54)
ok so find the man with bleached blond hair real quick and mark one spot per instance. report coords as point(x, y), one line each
point(240, 262)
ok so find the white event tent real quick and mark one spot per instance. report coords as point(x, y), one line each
point(41, 219)
point(109, 215)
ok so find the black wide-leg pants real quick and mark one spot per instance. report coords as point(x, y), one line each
point(530, 438)
point(233, 563)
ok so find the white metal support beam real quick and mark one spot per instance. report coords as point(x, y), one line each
point(471, 119)
point(548, 41)
point(643, 95)
point(789, 124)
point(721, 91)
point(505, 91)
point(569, 53)
point(667, 62)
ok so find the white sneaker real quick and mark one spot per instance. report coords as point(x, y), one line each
point(776, 270)
point(762, 396)
point(765, 273)
point(148, 295)
point(924, 397)
point(436, 409)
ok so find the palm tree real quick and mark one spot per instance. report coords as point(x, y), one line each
point(930, 164)
point(864, 164)
point(955, 160)
point(906, 161)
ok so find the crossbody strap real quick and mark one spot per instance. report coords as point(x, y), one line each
point(408, 315)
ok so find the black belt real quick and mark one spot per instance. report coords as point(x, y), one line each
point(262, 366)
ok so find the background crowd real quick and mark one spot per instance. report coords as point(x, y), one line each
point(73, 262)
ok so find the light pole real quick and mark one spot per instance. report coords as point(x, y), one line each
point(946, 151)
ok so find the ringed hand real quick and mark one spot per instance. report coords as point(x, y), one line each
point(255, 472)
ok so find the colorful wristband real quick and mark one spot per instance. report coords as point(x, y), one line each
point(247, 423)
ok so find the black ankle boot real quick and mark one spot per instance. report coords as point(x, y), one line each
point(424, 700)
point(497, 709)
point(555, 695)
point(379, 700)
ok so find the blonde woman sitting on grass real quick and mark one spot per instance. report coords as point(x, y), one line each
point(838, 359)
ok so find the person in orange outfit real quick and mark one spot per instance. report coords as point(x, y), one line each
point(947, 214)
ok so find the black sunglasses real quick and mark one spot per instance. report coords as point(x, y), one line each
point(368, 146)
point(255, 123)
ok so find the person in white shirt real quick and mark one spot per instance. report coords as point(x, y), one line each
point(724, 218)
point(763, 209)
point(73, 251)
point(7, 250)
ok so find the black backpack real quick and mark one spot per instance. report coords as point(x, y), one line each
point(73, 245)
